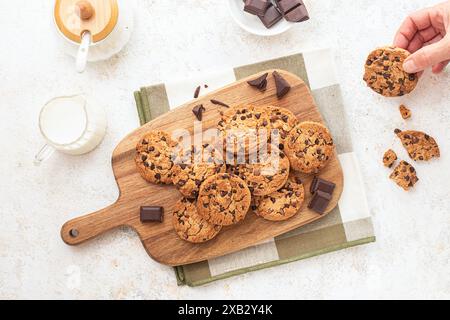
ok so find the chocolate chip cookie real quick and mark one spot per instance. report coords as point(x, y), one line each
point(194, 166)
point(267, 173)
point(224, 199)
point(309, 147)
point(419, 145)
point(384, 72)
point(404, 175)
point(282, 121)
point(389, 158)
point(154, 157)
point(282, 204)
point(242, 126)
point(189, 225)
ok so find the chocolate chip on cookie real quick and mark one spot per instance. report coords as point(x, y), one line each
point(224, 199)
point(404, 175)
point(193, 166)
point(384, 72)
point(282, 204)
point(309, 147)
point(419, 145)
point(153, 157)
point(189, 225)
point(389, 158)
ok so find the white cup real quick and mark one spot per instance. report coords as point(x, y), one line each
point(71, 125)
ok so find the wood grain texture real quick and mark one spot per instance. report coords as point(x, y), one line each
point(159, 239)
point(101, 24)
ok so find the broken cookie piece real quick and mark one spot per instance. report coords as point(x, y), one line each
point(405, 112)
point(419, 145)
point(389, 158)
point(404, 175)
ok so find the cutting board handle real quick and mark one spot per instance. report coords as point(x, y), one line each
point(79, 230)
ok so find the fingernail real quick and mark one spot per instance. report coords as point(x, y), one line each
point(410, 66)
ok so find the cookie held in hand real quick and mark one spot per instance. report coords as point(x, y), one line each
point(384, 72)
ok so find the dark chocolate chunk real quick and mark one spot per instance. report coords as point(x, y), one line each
point(256, 7)
point(322, 185)
point(271, 17)
point(320, 202)
point(287, 5)
point(198, 111)
point(282, 85)
point(298, 14)
point(263, 86)
point(197, 92)
point(260, 82)
point(152, 214)
point(257, 82)
point(312, 188)
point(219, 103)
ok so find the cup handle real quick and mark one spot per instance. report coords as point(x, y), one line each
point(83, 51)
point(45, 153)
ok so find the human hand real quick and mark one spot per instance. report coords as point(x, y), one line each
point(426, 34)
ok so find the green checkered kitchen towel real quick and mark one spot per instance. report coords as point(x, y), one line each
point(348, 225)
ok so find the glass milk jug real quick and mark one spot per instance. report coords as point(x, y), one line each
point(71, 125)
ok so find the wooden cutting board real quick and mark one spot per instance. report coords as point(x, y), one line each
point(160, 239)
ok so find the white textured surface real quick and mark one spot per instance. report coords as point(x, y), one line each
point(411, 258)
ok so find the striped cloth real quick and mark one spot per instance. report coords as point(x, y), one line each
point(348, 225)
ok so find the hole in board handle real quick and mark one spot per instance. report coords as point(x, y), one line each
point(74, 233)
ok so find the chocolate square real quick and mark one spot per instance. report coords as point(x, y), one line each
point(287, 5)
point(322, 185)
point(256, 7)
point(271, 17)
point(152, 214)
point(298, 14)
point(320, 202)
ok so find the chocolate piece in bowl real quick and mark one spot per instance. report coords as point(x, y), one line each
point(256, 7)
point(293, 10)
point(298, 14)
point(271, 17)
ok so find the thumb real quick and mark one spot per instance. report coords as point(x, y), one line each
point(428, 56)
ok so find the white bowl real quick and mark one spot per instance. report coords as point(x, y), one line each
point(252, 23)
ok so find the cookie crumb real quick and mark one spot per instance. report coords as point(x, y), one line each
point(405, 112)
point(389, 158)
point(404, 175)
